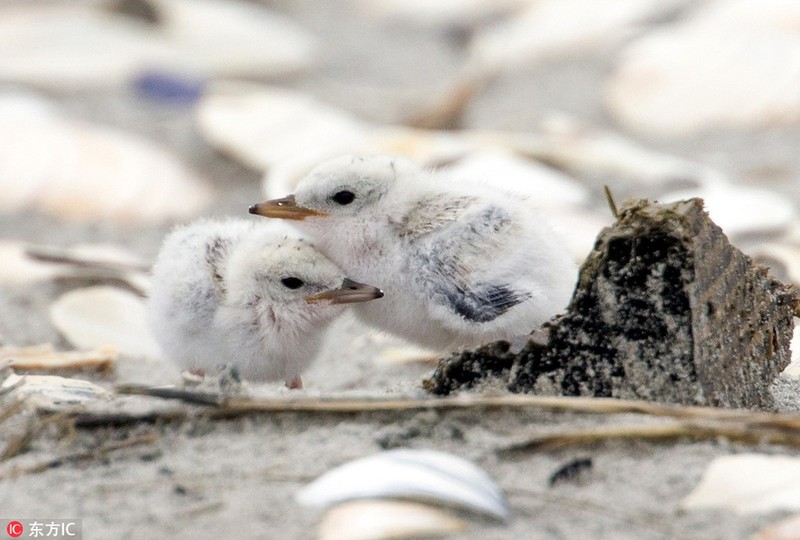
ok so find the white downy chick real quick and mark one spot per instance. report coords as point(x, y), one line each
point(461, 263)
point(254, 295)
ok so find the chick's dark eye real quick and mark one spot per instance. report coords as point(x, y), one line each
point(344, 197)
point(292, 282)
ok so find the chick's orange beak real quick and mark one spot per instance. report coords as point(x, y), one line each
point(284, 208)
point(349, 293)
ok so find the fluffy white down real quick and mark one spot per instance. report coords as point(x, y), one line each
point(217, 298)
point(461, 263)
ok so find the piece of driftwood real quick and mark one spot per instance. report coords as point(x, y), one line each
point(665, 309)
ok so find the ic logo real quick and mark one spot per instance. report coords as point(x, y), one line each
point(15, 529)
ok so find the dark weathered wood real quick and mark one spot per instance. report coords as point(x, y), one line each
point(666, 309)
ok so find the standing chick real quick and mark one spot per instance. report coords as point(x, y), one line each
point(256, 296)
point(462, 264)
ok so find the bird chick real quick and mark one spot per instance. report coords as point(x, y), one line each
point(256, 296)
point(462, 264)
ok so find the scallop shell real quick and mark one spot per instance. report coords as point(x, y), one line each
point(82, 171)
point(379, 520)
point(422, 475)
point(680, 80)
point(95, 317)
point(748, 483)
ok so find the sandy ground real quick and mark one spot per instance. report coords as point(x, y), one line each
point(236, 478)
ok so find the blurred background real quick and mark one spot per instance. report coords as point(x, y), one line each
point(120, 118)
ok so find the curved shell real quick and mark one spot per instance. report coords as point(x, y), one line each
point(423, 475)
point(100, 316)
point(81, 171)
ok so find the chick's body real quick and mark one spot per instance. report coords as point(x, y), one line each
point(256, 296)
point(462, 264)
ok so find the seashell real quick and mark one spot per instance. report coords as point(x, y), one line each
point(44, 357)
point(77, 46)
point(50, 392)
point(741, 210)
point(551, 28)
point(379, 520)
point(748, 483)
point(516, 174)
point(679, 80)
point(95, 317)
point(27, 263)
point(422, 475)
point(81, 171)
point(261, 126)
point(785, 529)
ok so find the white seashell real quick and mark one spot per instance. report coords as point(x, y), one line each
point(785, 529)
point(219, 38)
point(44, 357)
point(733, 65)
point(423, 475)
point(379, 520)
point(80, 171)
point(741, 210)
point(551, 28)
point(52, 392)
point(505, 171)
point(748, 483)
point(69, 46)
point(96, 317)
point(261, 125)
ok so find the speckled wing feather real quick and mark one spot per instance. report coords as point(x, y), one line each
point(452, 259)
point(430, 214)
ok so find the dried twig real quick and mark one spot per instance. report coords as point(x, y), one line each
point(744, 432)
point(229, 406)
point(612, 205)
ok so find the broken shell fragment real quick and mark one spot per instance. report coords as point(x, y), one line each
point(49, 392)
point(421, 475)
point(45, 357)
